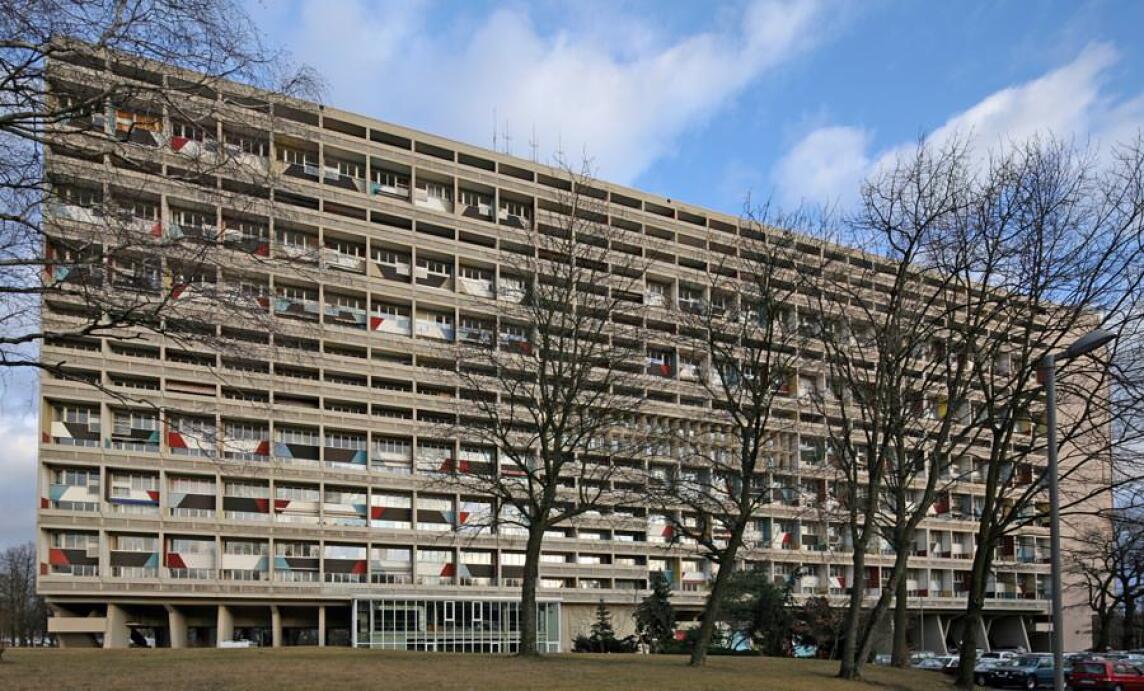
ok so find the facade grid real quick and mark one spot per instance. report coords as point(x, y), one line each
point(284, 492)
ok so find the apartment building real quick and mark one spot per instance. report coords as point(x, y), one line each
point(285, 493)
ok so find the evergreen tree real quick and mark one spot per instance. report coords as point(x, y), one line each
point(655, 617)
point(603, 635)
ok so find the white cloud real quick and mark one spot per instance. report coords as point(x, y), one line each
point(19, 431)
point(1072, 101)
point(823, 165)
point(624, 105)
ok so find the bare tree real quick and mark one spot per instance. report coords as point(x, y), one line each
point(899, 410)
point(1059, 237)
point(551, 388)
point(23, 614)
point(87, 97)
point(739, 345)
point(1108, 565)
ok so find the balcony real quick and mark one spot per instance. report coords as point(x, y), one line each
point(435, 200)
point(350, 317)
point(435, 330)
point(390, 578)
point(388, 322)
point(332, 175)
point(390, 184)
point(474, 205)
point(297, 576)
point(515, 216)
point(476, 285)
point(333, 259)
point(299, 308)
point(73, 212)
point(475, 336)
point(246, 575)
point(297, 252)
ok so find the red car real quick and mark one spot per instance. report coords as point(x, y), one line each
point(1105, 674)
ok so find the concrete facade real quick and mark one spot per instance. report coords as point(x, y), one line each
point(260, 503)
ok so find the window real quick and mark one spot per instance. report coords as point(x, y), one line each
point(342, 440)
point(294, 238)
point(139, 208)
point(251, 490)
point(390, 257)
point(296, 157)
point(246, 144)
point(392, 446)
point(136, 543)
point(518, 209)
point(476, 274)
point(351, 169)
point(192, 485)
point(188, 131)
point(437, 190)
point(297, 493)
point(435, 266)
point(79, 196)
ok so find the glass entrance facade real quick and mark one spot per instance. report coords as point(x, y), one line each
point(450, 625)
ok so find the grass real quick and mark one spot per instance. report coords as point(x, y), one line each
point(320, 668)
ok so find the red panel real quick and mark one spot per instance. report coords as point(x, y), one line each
point(175, 440)
point(174, 561)
point(359, 567)
point(58, 557)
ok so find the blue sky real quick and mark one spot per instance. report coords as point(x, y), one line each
point(704, 102)
point(701, 102)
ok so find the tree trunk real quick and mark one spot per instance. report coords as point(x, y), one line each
point(1128, 631)
point(974, 607)
point(850, 668)
point(711, 610)
point(1104, 620)
point(901, 649)
point(528, 592)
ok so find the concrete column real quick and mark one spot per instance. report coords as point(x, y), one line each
point(934, 633)
point(1010, 631)
point(176, 627)
point(225, 625)
point(275, 627)
point(116, 634)
point(321, 626)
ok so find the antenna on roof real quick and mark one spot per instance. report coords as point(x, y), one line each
point(507, 139)
point(494, 129)
point(533, 143)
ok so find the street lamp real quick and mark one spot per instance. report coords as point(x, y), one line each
point(1083, 345)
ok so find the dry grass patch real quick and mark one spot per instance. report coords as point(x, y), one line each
point(314, 668)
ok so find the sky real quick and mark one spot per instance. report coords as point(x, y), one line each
point(707, 103)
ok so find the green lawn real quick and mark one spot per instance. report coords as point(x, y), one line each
point(315, 668)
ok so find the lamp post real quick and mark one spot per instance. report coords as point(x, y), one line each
point(1083, 345)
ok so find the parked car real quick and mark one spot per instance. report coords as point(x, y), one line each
point(1106, 674)
point(981, 669)
point(997, 655)
point(937, 662)
point(1024, 671)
